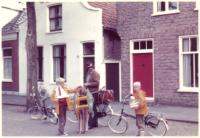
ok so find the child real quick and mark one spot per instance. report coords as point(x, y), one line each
point(141, 108)
point(59, 98)
point(82, 110)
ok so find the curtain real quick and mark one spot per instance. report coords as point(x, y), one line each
point(187, 82)
point(7, 68)
point(186, 64)
point(56, 62)
point(56, 68)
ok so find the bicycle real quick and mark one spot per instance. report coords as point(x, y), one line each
point(155, 123)
point(42, 112)
point(104, 109)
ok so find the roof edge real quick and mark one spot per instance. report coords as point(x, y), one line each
point(89, 7)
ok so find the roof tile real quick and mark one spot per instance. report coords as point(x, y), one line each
point(109, 13)
point(13, 25)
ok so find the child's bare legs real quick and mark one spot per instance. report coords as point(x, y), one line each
point(83, 117)
point(87, 119)
point(80, 121)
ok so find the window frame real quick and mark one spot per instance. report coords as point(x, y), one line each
point(11, 57)
point(181, 87)
point(59, 57)
point(55, 18)
point(40, 58)
point(167, 11)
point(142, 50)
point(197, 3)
point(85, 56)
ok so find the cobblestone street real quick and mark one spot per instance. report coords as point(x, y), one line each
point(17, 123)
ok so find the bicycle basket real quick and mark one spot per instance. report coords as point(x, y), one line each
point(101, 110)
point(151, 121)
point(106, 96)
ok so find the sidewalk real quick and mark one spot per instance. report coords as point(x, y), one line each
point(172, 113)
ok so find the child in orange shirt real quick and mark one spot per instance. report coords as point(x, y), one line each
point(141, 108)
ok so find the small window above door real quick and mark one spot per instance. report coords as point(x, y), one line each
point(145, 44)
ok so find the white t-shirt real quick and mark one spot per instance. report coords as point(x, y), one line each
point(62, 91)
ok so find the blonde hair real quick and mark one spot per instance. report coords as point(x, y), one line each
point(137, 84)
point(59, 80)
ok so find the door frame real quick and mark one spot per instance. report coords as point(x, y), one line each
point(119, 63)
point(81, 57)
point(132, 52)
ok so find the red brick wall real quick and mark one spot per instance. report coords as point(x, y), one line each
point(12, 86)
point(135, 22)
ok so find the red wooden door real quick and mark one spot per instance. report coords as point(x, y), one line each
point(143, 71)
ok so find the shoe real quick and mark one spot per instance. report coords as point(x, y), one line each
point(44, 117)
point(66, 134)
point(90, 127)
point(140, 133)
point(63, 134)
point(81, 132)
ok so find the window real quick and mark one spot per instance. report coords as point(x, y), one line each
point(7, 64)
point(197, 5)
point(59, 61)
point(40, 63)
point(189, 54)
point(88, 55)
point(55, 17)
point(142, 45)
point(165, 7)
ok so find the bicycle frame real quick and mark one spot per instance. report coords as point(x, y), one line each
point(153, 125)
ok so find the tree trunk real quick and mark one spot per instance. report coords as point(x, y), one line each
point(31, 49)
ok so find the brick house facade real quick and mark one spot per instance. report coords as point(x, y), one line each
point(11, 42)
point(14, 84)
point(136, 21)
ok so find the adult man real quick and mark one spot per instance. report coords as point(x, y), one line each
point(59, 98)
point(92, 83)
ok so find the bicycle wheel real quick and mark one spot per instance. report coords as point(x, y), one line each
point(71, 116)
point(53, 118)
point(118, 124)
point(155, 126)
point(105, 112)
point(35, 113)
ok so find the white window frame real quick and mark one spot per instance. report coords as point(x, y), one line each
point(4, 79)
point(52, 78)
point(197, 5)
point(181, 87)
point(85, 56)
point(48, 21)
point(167, 11)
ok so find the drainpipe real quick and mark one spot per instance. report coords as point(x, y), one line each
point(198, 7)
point(1, 60)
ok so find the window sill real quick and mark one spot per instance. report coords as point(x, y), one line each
point(188, 90)
point(7, 80)
point(54, 83)
point(165, 13)
point(54, 32)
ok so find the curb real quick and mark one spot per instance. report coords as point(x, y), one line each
point(13, 104)
point(183, 121)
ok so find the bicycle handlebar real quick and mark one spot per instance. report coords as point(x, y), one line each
point(102, 89)
point(125, 98)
